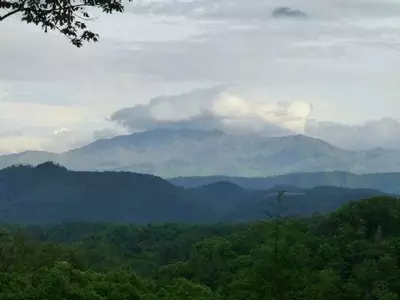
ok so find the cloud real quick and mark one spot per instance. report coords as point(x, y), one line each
point(39, 126)
point(328, 60)
point(287, 12)
point(261, 10)
point(382, 133)
point(215, 108)
point(62, 140)
point(36, 114)
point(40, 139)
point(343, 58)
point(107, 133)
point(61, 131)
point(18, 143)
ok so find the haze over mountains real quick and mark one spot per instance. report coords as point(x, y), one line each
point(190, 152)
point(49, 194)
point(386, 182)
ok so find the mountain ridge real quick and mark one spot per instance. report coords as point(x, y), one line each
point(188, 152)
point(50, 193)
point(386, 182)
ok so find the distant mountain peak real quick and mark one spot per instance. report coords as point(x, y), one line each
point(156, 135)
point(174, 152)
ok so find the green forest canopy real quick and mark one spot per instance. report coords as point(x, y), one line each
point(352, 253)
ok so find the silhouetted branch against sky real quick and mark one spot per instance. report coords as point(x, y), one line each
point(69, 17)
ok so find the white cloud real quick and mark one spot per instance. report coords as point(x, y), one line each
point(344, 58)
point(215, 108)
point(380, 133)
point(13, 144)
point(107, 133)
point(61, 131)
point(29, 113)
point(37, 126)
point(63, 140)
point(261, 10)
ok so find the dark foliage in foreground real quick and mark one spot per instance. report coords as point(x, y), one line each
point(353, 253)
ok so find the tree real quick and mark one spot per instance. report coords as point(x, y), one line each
point(61, 281)
point(276, 287)
point(69, 17)
point(183, 289)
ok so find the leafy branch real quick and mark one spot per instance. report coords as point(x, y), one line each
point(69, 17)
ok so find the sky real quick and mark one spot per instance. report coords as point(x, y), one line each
point(226, 64)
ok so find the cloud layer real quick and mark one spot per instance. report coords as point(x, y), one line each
point(381, 133)
point(223, 108)
point(344, 59)
point(215, 108)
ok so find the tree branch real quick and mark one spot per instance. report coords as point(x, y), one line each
point(13, 12)
point(61, 15)
point(48, 11)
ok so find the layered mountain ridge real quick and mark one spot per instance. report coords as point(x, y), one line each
point(187, 152)
point(51, 194)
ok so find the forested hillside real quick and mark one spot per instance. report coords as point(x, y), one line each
point(352, 253)
point(50, 194)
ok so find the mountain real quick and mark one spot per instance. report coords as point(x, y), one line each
point(386, 182)
point(222, 197)
point(27, 158)
point(187, 152)
point(49, 193)
point(160, 151)
point(321, 199)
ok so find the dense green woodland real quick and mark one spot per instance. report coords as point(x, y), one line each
point(352, 253)
point(51, 194)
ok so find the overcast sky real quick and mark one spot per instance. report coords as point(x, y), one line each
point(340, 65)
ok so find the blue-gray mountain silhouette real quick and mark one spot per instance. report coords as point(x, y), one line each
point(188, 152)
